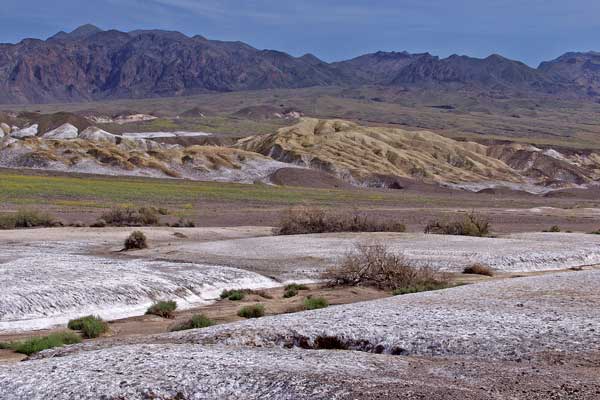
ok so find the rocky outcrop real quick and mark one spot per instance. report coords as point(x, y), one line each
point(30, 131)
point(65, 131)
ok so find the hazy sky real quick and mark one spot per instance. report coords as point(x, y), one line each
point(528, 30)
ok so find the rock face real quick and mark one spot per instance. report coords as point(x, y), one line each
point(65, 131)
point(581, 69)
point(92, 64)
point(26, 132)
point(95, 134)
point(4, 129)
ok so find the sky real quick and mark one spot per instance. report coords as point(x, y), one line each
point(527, 30)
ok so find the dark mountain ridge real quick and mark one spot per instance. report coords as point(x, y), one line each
point(93, 64)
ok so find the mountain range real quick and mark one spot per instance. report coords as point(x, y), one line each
point(94, 64)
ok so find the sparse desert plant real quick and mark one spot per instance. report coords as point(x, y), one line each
point(291, 292)
point(471, 224)
point(124, 216)
point(305, 220)
point(183, 223)
point(375, 266)
point(314, 303)
point(553, 229)
point(478, 269)
point(137, 240)
point(162, 309)
point(27, 219)
point(100, 223)
point(233, 295)
point(595, 232)
point(253, 311)
point(35, 345)
point(419, 287)
point(196, 322)
point(91, 326)
point(296, 286)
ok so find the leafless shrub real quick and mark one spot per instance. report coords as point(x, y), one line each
point(471, 224)
point(304, 220)
point(374, 265)
point(478, 269)
point(120, 216)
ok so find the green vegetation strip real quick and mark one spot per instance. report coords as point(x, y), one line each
point(91, 191)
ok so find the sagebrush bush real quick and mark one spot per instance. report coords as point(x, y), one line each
point(183, 223)
point(375, 266)
point(27, 219)
point(470, 224)
point(253, 311)
point(163, 309)
point(478, 269)
point(196, 322)
point(124, 216)
point(35, 345)
point(137, 240)
point(90, 326)
point(314, 303)
point(290, 293)
point(304, 220)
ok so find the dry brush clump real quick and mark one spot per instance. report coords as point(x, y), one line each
point(374, 265)
point(125, 216)
point(27, 219)
point(136, 241)
point(471, 224)
point(478, 269)
point(305, 220)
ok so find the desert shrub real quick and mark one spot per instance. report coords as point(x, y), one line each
point(303, 220)
point(34, 345)
point(124, 216)
point(296, 286)
point(253, 311)
point(470, 224)
point(162, 309)
point(553, 229)
point(234, 295)
point(478, 269)
point(162, 211)
point(183, 223)
point(595, 232)
point(26, 219)
point(314, 303)
point(374, 265)
point(290, 293)
point(91, 326)
point(100, 223)
point(419, 287)
point(137, 240)
point(196, 322)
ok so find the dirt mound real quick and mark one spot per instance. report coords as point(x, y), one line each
point(307, 178)
point(358, 153)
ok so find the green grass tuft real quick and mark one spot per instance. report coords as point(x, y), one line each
point(91, 326)
point(314, 303)
point(196, 322)
point(254, 311)
point(162, 309)
point(35, 345)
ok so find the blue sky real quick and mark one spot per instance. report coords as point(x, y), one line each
point(528, 30)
